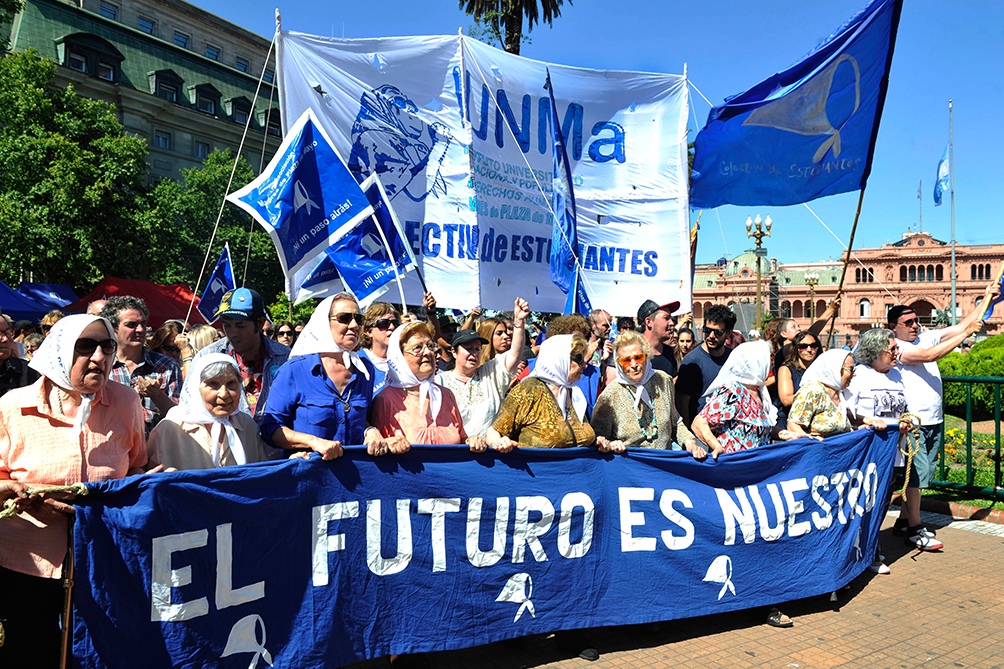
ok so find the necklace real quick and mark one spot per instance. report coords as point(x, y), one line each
point(655, 419)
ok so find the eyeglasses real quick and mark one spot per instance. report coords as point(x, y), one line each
point(386, 323)
point(46, 327)
point(847, 369)
point(424, 348)
point(628, 360)
point(577, 358)
point(714, 331)
point(910, 322)
point(87, 346)
point(284, 333)
point(348, 317)
point(892, 350)
point(804, 347)
point(6, 334)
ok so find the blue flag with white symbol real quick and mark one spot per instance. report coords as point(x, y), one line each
point(371, 254)
point(943, 182)
point(565, 267)
point(806, 132)
point(305, 198)
point(220, 283)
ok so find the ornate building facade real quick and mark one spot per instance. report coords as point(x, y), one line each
point(179, 76)
point(915, 271)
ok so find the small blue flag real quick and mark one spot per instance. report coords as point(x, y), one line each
point(366, 254)
point(221, 281)
point(806, 132)
point(943, 182)
point(1000, 294)
point(565, 267)
point(304, 199)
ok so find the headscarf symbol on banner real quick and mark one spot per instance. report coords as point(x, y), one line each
point(518, 590)
point(244, 639)
point(720, 571)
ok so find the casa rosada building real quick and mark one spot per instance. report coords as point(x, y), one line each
point(915, 271)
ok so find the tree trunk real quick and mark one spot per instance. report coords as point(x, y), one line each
point(513, 27)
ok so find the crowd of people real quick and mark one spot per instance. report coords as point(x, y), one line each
point(99, 396)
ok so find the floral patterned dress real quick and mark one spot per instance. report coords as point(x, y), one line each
point(737, 418)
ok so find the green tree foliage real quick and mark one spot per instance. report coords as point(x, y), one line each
point(503, 19)
point(8, 8)
point(70, 181)
point(985, 359)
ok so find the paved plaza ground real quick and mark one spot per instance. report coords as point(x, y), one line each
point(935, 610)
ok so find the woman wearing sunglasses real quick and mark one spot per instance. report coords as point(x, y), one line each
point(285, 334)
point(638, 409)
point(71, 425)
point(802, 352)
point(381, 321)
point(319, 399)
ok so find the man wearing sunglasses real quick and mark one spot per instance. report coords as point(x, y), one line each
point(242, 313)
point(919, 353)
point(702, 364)
point(14, 372)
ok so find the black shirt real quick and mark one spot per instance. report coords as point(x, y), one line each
point(15, 373)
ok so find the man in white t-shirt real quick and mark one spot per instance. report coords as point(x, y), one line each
point(918, 356)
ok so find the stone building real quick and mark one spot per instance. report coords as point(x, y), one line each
point(179, 76)
point(913, 271)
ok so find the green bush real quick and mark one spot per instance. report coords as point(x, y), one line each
point(985, 359)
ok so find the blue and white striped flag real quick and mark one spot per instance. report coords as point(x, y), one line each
point(943, 182)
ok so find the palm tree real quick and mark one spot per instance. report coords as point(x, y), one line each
point(503, 19)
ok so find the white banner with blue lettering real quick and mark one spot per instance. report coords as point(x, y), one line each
point(473, 190)
point(319, 564)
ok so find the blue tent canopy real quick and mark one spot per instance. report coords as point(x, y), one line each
point(53, 295)
point(19, 306)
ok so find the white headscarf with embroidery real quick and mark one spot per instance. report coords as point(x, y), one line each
point(553, 364)
point(317, 338)
point(749, 365)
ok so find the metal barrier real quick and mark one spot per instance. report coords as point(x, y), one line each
point(970, 486)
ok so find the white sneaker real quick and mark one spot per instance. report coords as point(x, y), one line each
point(878, 567)
point(922, 539)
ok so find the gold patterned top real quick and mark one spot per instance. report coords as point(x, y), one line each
point(530, 416)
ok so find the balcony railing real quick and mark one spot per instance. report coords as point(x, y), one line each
point(980, 455)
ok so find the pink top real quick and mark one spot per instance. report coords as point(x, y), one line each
point(39, 447)
point(395, 409)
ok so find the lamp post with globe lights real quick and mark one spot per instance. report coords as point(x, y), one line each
point(758, 229)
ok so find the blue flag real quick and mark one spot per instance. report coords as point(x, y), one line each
point(943, 181)
point(565, 267)
point(806, 132)
point(220, 282)
point(305, 198)
point(1000, 297)
point(312, 563)
point(365, 255)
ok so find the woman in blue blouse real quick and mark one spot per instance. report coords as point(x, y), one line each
point(319, 399)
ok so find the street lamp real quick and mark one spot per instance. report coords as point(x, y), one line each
point(812, 280)
point(762, 230)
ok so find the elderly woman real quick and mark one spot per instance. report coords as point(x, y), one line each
point(414, 409)
point(381, 320)
point(478, 385)
point(820, 409)
point(547, 410)
point(212, 424)
point(319, 399)
point(71, 425)
point(631, 410)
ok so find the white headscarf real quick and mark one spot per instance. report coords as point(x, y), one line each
point(191, 408)
point(317, 338)
point(399, 375)
point(641, 393)
point(553, 363)
point(748, 364)
point(827, 369)
point(54, 358)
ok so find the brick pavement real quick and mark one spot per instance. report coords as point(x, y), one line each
point(934, 610)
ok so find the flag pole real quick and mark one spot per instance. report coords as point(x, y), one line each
point(988, 305)
point(847, 261)
point(393, 263)
point(951, 185)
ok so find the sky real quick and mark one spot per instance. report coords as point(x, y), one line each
point(943, 50)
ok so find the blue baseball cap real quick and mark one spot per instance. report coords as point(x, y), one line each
point(242, 303)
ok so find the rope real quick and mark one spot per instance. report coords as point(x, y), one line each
point(911, 441)
point(10, 506)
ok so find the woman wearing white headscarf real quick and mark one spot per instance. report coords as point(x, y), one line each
point(738, 414)
point(319, 399)
point(638, 409)
point(211, 426)
point(546, 410)
point(412, 408)
point(819, 408)
point(72, 425)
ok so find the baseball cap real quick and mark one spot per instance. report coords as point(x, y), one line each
point(465, 336)
point(649, 307)
point(242, 303)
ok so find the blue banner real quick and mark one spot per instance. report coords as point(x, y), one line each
point(221, 281)
point(806, 132)
point(304, 198)
point(320, 564)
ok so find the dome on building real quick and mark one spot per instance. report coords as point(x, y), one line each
point(747, 259)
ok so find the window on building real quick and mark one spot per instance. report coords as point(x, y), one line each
point(269, 76)
point(242, 64)
point(205, 104)
point(202, 150)
point(240, 116)
point(106, 71)
point(181, 39)
point(167, 91)
point(902, 272)
point(939, 273)
point(857, 275)
point(149, 26)
point(205, 98)
point(864, 309)
point(109, 11)
point(785, 309)
point(162, 140)
point(921, 274)
point(987, 271)
point(213, 52)
point(77, 62)
point(913, 273)
point(871, 275)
